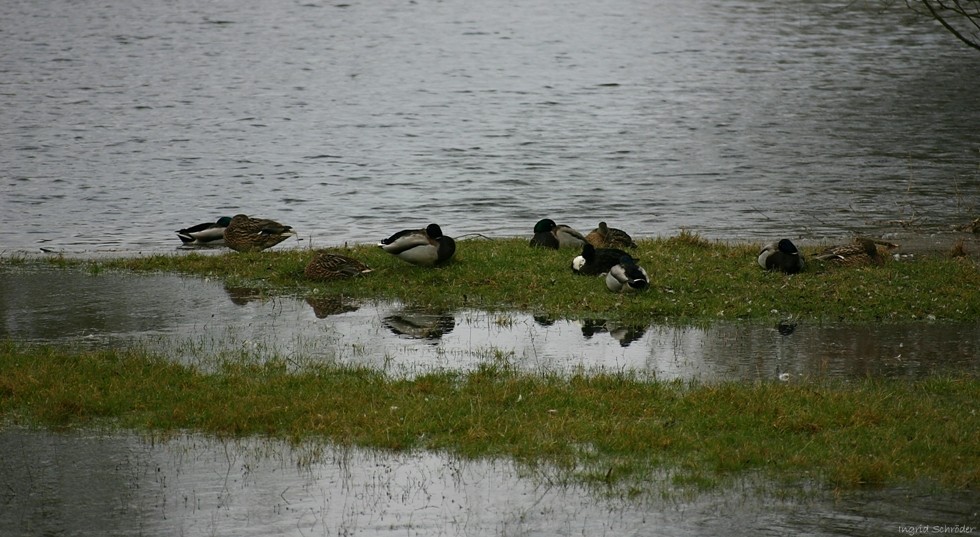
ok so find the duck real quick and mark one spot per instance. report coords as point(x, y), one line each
point(595, 261)
point(863, 251)
point(548, 234)
point(425, 247)
point(782, 256)
point(609, 237)
point(206, 233)
point(247, 234)
point(327, 266)
point(627, 276)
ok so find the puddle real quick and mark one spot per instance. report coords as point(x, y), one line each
point(194, 320)
point(87, 483)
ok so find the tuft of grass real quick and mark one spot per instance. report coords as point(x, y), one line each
point(608, 430)
point(693, 280)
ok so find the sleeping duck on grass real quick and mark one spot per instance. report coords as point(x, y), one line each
point(609, 237)
point(863, 251)
point(207, 233)
point(247, 234)
point(327, 266)
point(548, 234)
point(627, 276)
point(595, 261)
point(782, 256)
point(425, 247)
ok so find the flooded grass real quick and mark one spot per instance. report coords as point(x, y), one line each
point(608, 430)
point(693, 280)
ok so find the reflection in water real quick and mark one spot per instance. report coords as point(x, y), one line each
point(324, 306)
point(89, 484)
point(625, 334)
point(191, 320)
point(241, 296)
point(420, 324)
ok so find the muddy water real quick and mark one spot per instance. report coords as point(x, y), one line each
point(195, 320)
point(87, 483)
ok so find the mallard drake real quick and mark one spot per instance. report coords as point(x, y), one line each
point(425, 247)
point(246, 234)
point(782, 256)
point(206, 233)
point(609, 237)
point(548, 234)
point(326, 266)
point(627, 276)
point(863, 251)
point(594, 261)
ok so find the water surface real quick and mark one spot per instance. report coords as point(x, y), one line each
point(124, 121)
point(196, 321)
point(89, 483)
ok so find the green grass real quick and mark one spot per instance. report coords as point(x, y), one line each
point(607, 430)
point(693, 280)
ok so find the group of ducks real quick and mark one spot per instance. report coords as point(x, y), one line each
point(242, 233)
point(602, 251)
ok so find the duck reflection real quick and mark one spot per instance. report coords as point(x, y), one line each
point(625, 334)
point(544, 320)
point(324, 306)
point(241, 296)
point(420, 324)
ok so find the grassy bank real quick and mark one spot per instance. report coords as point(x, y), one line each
point(692, 280)
point(606, 429)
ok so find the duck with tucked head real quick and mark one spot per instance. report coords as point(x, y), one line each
point(326, 266)
point(206, 233)
point(782, 256)
point(609, 237)
point(247, 234)
point(863, 251)
point(595, 261)
point(627, 276)
point(425, 247)
point(548, 234)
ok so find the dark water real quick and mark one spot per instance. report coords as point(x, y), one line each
point(197, 321)
point(86, 483)
point(122, 121)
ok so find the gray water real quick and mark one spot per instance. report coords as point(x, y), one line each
point(122, 121)
point(88, 483)
point(200, 322)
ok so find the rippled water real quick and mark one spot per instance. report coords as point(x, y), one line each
point(123, 121)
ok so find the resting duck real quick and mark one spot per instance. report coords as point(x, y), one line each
point(862, 251)
point(609, 237)
point(326, 266)
point(548, 234)
point(627, 276)
point(206, 233)
point(425, 247)
point(246, 234)
point(595, 261)
point(782, 256)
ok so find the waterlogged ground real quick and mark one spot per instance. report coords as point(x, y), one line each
point(194, 321)
point(86, 483)
point(97, 483)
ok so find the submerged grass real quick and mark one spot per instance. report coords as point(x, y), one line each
point(610, 430)
point(692, 280)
